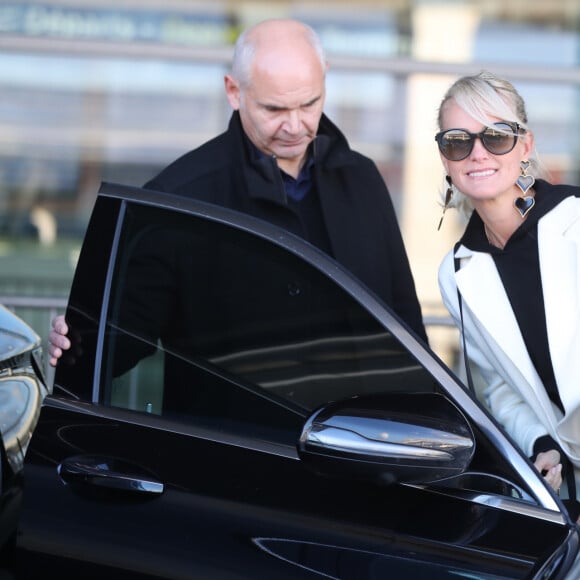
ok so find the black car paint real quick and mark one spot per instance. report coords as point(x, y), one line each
point(125, 493)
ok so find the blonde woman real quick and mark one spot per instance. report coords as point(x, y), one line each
point(512, 282)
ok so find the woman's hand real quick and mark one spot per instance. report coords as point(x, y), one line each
point(548, 464)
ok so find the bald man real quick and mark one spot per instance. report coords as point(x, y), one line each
point(282, 160)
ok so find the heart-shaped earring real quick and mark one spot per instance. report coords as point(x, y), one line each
point(525, 181)
point(524, 204)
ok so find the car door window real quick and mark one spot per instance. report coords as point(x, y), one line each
point(210, 321)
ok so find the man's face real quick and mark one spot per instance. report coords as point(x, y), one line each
point(281, 108)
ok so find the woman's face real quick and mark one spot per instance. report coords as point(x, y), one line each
point(483, 176)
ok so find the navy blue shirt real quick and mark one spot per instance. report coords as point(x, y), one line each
point(298, 188)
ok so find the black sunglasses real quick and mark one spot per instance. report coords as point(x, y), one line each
point(499, 139)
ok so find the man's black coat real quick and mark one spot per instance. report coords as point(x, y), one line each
point(355, 203)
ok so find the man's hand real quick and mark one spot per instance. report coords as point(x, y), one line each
point(57, 339)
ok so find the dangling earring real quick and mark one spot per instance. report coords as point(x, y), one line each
point(448, 196)
point(524, 203)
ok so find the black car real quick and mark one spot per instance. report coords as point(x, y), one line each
point(237, 405)
point(22, 389)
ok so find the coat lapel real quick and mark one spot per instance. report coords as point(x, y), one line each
point(559, 246)
point(482, 290)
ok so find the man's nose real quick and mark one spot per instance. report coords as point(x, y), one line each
point(293, 120)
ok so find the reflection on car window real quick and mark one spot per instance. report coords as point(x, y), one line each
point(212, 321)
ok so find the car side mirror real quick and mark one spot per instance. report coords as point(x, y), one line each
point(388, 438)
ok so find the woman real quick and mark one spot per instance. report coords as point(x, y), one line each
point(512, 282)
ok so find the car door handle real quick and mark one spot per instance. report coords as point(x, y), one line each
point(110, 473)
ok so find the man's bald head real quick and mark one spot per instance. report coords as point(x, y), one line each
point(281, 43)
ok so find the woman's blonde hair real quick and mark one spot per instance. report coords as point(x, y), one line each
point(485, 96)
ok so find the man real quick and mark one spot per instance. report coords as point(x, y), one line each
point(284, 161)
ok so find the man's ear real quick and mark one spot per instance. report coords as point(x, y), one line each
point(232, 92)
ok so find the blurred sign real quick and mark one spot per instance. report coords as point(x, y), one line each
point(120, 25)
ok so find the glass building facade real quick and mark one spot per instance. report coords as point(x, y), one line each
point(95, 91)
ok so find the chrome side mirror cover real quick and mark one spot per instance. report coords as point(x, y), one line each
point(388, 438)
